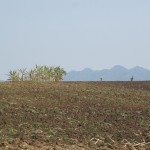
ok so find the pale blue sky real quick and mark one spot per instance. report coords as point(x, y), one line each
point(74, 34)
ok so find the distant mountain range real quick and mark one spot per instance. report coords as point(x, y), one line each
point(117, 73)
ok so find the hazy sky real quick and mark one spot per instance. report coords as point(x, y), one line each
point(74, 34)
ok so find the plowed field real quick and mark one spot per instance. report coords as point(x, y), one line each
point(75, 115)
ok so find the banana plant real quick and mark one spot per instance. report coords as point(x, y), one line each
point(39, 73)
point(13, 75)
point(31, 75)
point(50, 73)
point(23, 74)
point(58, 73)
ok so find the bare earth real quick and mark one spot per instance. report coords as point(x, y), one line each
point(75, 116)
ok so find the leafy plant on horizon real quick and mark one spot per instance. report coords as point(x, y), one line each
point(13, 75)
point(39, 73)
point(58, 73)
point(22, 74)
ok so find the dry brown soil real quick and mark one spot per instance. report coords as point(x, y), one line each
point(75, 115)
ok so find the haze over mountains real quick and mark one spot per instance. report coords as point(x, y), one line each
point(117, 73)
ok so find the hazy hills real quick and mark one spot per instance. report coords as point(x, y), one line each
point(117, 73)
